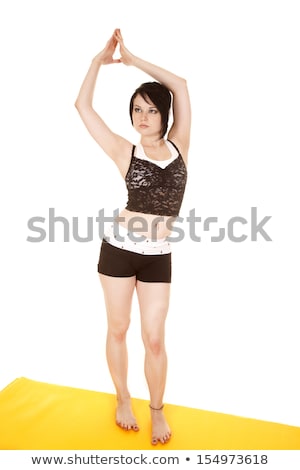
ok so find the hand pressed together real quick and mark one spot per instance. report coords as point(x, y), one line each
point(126, 57)
point(105, 57)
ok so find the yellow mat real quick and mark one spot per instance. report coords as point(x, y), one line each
point(36, 415)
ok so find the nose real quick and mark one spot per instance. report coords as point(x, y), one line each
point(144, 116)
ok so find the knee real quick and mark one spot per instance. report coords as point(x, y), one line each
point(154, 344)
point(118, 332)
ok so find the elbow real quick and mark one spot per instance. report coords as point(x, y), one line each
point(184, 87)
point(80, 106)
point(183, 82)
point(180, 85)
point(77, 104)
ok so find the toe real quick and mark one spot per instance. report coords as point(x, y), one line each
point(165, 438)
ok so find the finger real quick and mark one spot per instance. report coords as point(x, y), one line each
point(110, 42)
point(114, 40)
point(118, 35)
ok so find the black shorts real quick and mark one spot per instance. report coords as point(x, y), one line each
point(118, 262)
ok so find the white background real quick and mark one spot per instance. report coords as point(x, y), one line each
point(232, 330)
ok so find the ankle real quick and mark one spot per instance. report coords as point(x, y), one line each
point(153, 408)
point(123, 399)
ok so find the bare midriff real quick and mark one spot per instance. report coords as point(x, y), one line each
point(149, 225)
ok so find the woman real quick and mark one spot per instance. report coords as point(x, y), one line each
point(135, 253)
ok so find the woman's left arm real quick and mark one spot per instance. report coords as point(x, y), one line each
point(180, 130)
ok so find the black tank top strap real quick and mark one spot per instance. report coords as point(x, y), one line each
point(176, 148)
point(133, 150)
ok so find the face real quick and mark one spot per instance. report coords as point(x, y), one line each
point(146, 117)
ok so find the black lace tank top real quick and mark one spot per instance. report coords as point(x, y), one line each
point(156, 190)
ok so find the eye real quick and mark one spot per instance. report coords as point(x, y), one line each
point(137, 110)
point(153, 111)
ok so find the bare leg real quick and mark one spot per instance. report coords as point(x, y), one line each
point(118, 292)
point(154, 302)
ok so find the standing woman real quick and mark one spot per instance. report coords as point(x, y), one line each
point(135, 252)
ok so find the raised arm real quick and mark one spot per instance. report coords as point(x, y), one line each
point(180, 130)
point(115, 146)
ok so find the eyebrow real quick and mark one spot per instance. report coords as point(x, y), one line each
point(150, 107)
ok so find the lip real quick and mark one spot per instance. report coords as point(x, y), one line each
point(143, 126)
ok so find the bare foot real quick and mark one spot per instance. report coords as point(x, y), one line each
point(160, 428)
point(124, 415)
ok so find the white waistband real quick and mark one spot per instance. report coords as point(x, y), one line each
point(118, 236)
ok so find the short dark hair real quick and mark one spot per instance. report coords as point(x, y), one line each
point(160, 96)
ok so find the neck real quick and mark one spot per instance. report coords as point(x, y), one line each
point(152, 142)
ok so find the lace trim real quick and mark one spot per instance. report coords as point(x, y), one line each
point(156, 190)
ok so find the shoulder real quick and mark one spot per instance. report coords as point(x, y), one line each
point(181, 146)
point(123, 154)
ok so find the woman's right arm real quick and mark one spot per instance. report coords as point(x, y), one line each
point(112, 144)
